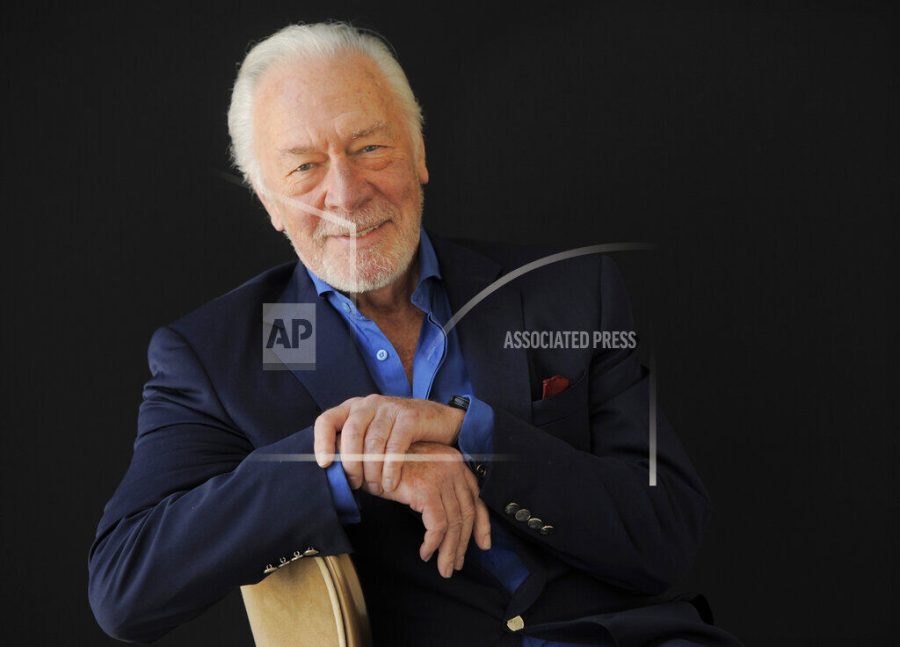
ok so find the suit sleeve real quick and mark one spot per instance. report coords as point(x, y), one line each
point(603, 516)
point(200, 511)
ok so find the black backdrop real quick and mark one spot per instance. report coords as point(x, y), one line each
point(755, 147)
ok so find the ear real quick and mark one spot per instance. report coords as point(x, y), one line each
point(274, 215)
point(421, 169)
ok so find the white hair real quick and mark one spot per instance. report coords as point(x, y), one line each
point(303, 42)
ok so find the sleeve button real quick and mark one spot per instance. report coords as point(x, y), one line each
point(511, 508)
point(524, 514)
point(546, 530)
point(535, 524)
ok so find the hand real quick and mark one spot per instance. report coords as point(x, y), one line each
point(445, 492)
point(383, 427)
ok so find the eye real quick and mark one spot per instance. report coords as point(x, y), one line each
point(371, 148)
point(306, 166)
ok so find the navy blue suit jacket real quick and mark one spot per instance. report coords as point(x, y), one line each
point(194, 517)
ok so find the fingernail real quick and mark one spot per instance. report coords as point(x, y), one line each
point(487, 542)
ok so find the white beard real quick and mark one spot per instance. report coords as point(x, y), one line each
point(377, 265)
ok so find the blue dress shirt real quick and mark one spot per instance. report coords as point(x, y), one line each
point(439, 372)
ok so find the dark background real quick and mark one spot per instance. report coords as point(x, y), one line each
point(757, 148)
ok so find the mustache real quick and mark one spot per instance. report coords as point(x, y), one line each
point(362, 219)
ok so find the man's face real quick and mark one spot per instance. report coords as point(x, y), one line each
point(331, 135)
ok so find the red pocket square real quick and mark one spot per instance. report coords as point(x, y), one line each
point(554, 385)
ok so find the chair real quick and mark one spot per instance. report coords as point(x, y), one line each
point(309, 602)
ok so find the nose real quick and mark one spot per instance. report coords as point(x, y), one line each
point(345, 187)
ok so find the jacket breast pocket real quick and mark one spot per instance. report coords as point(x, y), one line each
point(566, 415)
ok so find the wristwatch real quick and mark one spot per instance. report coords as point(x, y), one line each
point(459, 402)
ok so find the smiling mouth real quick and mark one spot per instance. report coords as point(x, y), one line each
point(360, 233)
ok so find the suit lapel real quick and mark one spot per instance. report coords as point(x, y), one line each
point(499, 375)
point(340, 372)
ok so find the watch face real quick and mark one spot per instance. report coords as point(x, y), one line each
point(459, 402)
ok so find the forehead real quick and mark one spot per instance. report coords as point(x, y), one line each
point(322, 98)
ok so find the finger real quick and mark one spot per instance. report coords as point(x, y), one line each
point(482, 523)
point(325, 430)
point(447, 550)
point(482, 527)
point(467, 514)
point(352, 435)
point(377, 435)
point(435, 520)
point(398, 444)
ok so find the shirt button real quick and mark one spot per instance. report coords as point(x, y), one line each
point(347, 307)
point(480, 470)
point(381, 354)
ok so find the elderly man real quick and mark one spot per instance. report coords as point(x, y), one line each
point(523, 470)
